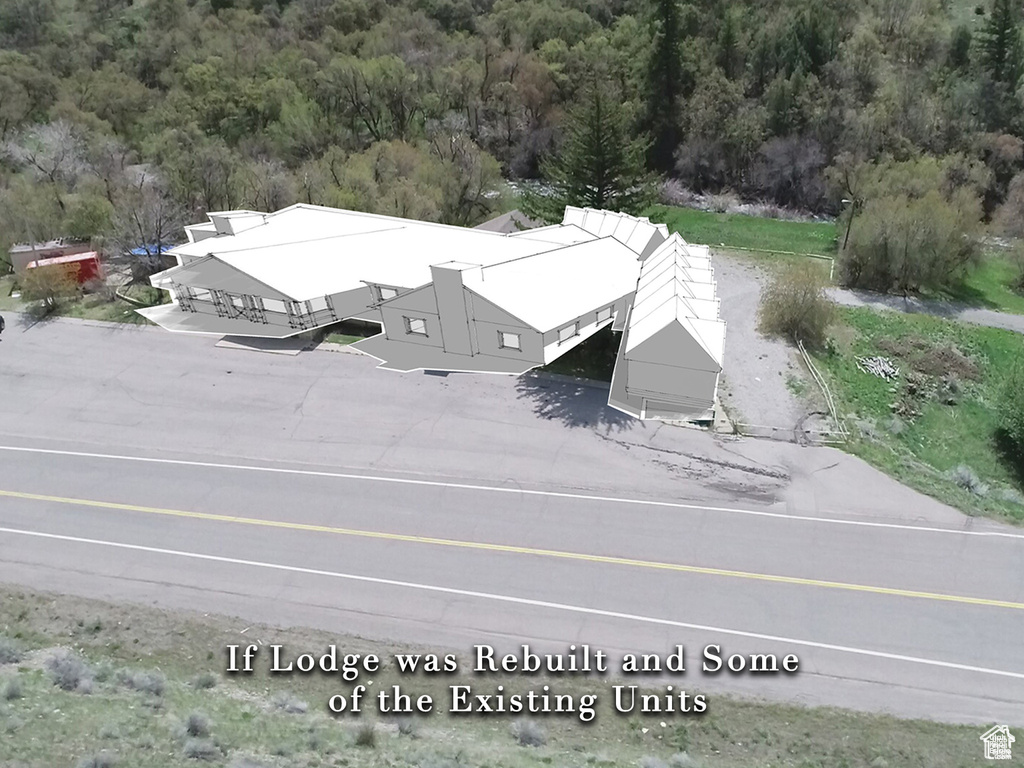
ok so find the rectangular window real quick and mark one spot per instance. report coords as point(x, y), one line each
point(274, 305)
point(509, 340)
point(386, 293)
point(568, 332)
point(604, 314)
point(201, 294)
point(416, 325)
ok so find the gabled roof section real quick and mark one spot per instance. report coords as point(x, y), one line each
point(677, 251)
point(638, 234)
point(549, 291)
point(677, 289)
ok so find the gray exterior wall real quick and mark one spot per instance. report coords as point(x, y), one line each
point(588, 326)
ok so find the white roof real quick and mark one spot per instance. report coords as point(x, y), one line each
point(635, 232)
point(553, 290)
point(309, 251)
point(676, 285)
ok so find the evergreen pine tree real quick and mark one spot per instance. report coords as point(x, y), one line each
point(1002, 54)
point(599, 165)
point(664, 84)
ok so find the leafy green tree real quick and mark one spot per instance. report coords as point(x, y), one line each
point(89, 215)
point(49, 287)
point(600, 163)
point(903, 244)
point(469, 179)
point(25, 92)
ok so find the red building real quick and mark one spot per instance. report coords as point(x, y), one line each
point(84, 266)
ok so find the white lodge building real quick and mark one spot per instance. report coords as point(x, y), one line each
point(456, 299)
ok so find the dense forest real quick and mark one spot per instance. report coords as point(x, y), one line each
point(124, 120)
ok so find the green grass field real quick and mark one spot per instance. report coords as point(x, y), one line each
point(740, 231)
point(946, 404)
point(159, 697)
point(990, 285)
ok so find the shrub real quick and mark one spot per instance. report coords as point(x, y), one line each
point(528, 734)
point(407, 726)
point(197, 725)
point(145, 682)
point(102, 672)
point(682, 760)
point(366, 735)
point(10, 651)
point(1009, 219)
point(288, 703)
point(1011, 411)
point(102, 760)
point(69, 672)
point(109, 732)
point(13, 690)
point(201, 749)
point(965, 477)
point(794, 304)
point(204, 681)
point(1017, 259)
point(652, 762)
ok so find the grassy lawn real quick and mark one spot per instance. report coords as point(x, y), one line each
point(342, 338)
point(350, 331)
point(740, 231)
point(989, 285)
point(941, 412)
point(88, 307)
point(159, 698)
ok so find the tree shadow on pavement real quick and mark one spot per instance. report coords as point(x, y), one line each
point(575, 405)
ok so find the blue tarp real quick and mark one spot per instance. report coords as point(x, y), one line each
point(150, 250)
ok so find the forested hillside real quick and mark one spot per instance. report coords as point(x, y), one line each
point(125, 119)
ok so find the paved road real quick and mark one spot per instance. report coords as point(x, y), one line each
point(950, 310)
point(136, 465)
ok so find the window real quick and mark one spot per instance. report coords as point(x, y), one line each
point(568, 332)
point(508, 340)
point(274, 305)
point(604, 314)
point(386, 293)
point(201, 294)
point(416, 325)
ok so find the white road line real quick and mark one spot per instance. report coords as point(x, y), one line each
point(524, 492)
point(522, 601)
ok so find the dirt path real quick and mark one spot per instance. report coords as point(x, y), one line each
point(912, 305)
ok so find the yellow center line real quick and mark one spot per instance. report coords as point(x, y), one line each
point(512, 549)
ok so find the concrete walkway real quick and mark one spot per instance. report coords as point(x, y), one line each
point(914, 305)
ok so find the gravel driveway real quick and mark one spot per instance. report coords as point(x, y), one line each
point(754, 380)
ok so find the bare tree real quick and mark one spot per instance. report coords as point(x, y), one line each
point(268, 185)
point(54, 152)
point(147, 221)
